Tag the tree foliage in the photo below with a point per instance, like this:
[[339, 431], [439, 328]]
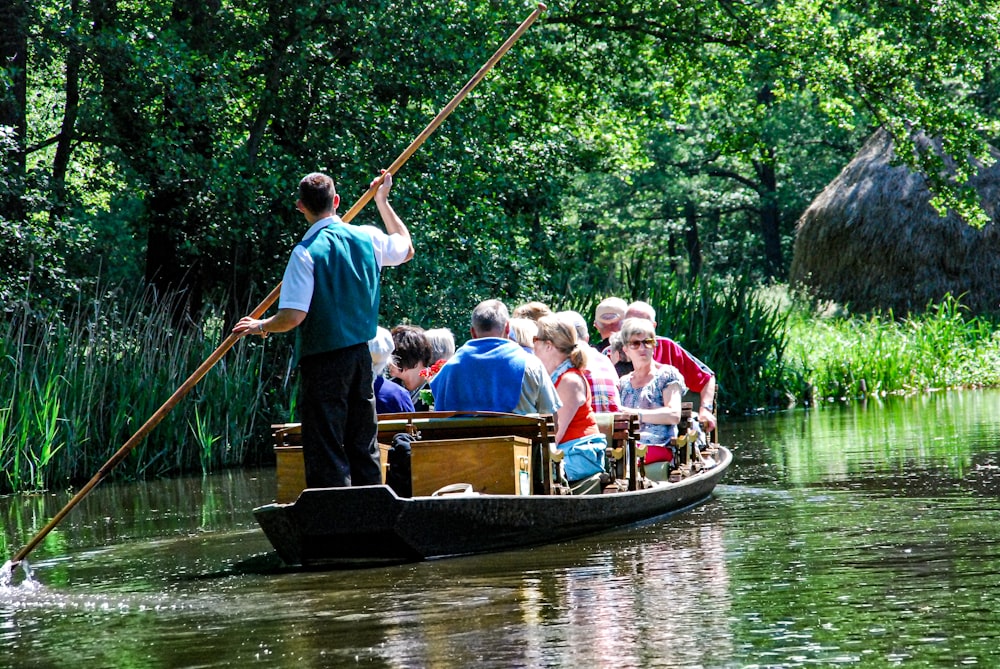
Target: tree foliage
[[161, 140]]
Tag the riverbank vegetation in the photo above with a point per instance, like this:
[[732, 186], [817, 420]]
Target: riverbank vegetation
[[76, 385], [647, 150], [875, 355], [74, 389]]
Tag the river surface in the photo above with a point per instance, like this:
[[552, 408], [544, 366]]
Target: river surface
[[860, 536]]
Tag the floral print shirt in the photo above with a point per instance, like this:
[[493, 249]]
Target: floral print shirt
[[650, 396]]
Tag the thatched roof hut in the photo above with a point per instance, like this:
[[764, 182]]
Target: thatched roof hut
[[871, 239]]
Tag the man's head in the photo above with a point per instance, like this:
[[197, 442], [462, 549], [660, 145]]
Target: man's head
[[608, 316], [641, 310], [489, 319], [317, 195], [578, 322]]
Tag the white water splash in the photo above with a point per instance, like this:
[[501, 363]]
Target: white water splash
[[7, 576]]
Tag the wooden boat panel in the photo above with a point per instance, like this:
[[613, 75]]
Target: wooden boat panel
[[372, 524], [618, 428], [491, 465]]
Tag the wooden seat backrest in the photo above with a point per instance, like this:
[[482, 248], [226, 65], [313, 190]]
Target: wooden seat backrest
[[442, 425]]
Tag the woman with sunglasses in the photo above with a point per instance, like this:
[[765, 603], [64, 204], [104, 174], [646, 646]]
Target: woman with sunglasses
[[652, 390]]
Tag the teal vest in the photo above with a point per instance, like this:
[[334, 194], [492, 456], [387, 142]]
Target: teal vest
[[344, 307]]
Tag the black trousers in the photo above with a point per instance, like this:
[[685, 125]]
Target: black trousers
[[339, 426]]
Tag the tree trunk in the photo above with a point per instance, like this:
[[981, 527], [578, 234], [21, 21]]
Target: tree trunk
[[67, 132], [176, 221], [770, 215], [691, 239], [770, 218]]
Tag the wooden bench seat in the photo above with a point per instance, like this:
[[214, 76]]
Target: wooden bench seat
[[484, 441]]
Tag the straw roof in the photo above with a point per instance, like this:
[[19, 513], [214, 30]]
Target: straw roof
[[872, 240]]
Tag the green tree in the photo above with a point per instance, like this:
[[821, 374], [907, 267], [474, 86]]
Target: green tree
[[735, 77]]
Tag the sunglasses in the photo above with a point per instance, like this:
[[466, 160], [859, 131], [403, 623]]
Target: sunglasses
[[648, 343]]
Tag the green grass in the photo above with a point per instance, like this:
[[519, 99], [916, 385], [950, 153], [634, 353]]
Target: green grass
[[853, 357]]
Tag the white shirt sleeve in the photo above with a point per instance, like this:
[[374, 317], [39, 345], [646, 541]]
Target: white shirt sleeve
[[297, 283], [390, 250]]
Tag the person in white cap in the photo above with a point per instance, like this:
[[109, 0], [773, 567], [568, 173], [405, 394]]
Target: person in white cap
[[608, 319]]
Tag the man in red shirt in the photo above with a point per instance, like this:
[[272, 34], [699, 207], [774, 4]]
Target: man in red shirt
[[697, 375]]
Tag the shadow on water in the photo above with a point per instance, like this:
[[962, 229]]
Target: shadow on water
[[861, 536]]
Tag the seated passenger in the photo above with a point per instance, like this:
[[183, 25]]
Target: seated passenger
[[389, 397], [577, 434], [488, 373], [616, 354], [599, 371], [491, 373], [652, 390], [523, 331], [442, 343], [412, 356], [697, 375]]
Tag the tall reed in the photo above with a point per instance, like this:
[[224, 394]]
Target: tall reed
[[853, 357], [732, 329], [75, 386]]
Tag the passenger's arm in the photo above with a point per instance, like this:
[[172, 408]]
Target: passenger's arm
[[706, 415], [669, 413]]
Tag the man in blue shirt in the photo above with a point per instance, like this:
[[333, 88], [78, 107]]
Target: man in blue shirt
[[492, 373], [330, 296]]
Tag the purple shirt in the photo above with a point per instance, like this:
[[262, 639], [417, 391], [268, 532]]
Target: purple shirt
[[391, 398]]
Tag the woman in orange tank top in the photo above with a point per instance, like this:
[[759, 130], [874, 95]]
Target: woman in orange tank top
[[577, 434]]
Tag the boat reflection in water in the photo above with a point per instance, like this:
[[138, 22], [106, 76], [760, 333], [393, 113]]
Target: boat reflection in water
[[654, 595]]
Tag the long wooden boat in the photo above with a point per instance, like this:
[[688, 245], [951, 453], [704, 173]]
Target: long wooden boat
[[496, 510]]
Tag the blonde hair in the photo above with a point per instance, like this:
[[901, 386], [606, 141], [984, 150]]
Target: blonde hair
[[532, 310], [523, 331], [562, 333]]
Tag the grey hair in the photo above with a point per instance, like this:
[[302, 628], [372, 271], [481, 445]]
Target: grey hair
[[442, 343], [489, 318], [641, 307], [616, 343], [636, 326]]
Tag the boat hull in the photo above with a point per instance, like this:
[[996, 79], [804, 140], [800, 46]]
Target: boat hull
[[370, 524]]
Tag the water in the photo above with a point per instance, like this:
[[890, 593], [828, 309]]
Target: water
[[863, 536]]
